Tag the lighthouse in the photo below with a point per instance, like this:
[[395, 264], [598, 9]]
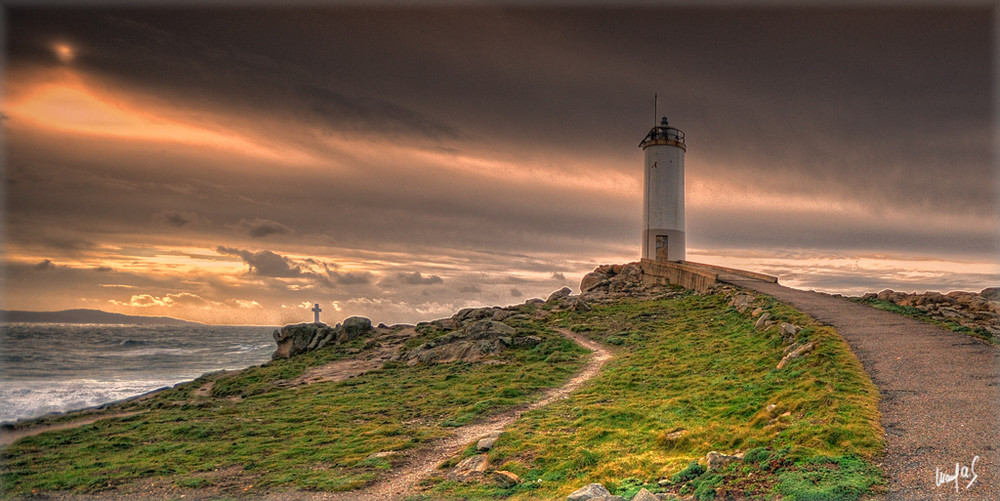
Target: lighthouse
[[663, 195]]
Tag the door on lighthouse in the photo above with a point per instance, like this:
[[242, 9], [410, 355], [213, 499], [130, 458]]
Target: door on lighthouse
[[661, 248]]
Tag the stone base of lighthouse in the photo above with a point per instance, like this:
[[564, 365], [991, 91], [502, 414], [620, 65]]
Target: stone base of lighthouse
[[664, 245]]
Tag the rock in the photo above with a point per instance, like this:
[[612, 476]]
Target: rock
[[577, 304], [756, 312], [645, 495], [718, 460], [296, 339], [354, 327], [788, 331], [535, 301], [588, 492], [501, 315], [559, 294], [527, 340], [591, 281], [466, 315], [471, 343], [741, 302], [469, 468], [505, 479], [795, 353], [990, 294], [486, 443], [762, 321]]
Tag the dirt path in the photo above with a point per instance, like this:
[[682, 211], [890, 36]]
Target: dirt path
[[940, 400], [425, 460]]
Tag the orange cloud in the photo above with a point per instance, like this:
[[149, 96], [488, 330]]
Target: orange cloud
[[64, 103]]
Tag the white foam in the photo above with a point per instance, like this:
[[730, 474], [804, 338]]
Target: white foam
[[28, 399]]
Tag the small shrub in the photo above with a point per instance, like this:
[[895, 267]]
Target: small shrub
[[691, 472]]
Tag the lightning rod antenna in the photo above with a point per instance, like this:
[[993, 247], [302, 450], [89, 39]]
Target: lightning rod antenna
[[654, 109]]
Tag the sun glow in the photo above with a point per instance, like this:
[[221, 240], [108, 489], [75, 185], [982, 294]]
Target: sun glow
[[72, 107], [64, 53]]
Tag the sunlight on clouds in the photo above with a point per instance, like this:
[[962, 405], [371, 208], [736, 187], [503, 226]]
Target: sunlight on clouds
[[856, 274], [563, 172], [70, 106]]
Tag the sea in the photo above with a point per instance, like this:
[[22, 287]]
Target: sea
[[48, 368]]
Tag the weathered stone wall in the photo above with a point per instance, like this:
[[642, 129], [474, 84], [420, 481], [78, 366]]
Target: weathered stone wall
[[690, 277]]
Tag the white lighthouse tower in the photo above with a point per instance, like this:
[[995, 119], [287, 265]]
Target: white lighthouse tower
[[663, 198]]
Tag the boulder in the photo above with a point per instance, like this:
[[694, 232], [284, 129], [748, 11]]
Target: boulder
[[353, 328], [990, 294], [592, 280], [741, 302], [559, 294], [466, 315], [486, 443], [796, 352], [718, 460], [645, 495], [788, 331], [505, 479], [501, 315], [469, 468], [468, 344], [484, 329], [588, 492], [296, 339], [576, 304], [762, 321]]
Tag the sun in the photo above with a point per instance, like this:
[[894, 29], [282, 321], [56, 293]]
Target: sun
[[63, 52]]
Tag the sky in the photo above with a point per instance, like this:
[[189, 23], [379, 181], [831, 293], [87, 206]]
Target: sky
[[235, 165]]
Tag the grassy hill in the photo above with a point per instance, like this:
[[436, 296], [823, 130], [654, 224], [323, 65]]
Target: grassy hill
[[690, 375]]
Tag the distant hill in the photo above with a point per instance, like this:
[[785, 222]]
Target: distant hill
[[86, 317]]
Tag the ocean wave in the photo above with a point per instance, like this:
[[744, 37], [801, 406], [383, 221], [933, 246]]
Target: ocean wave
[[158, 352], [29, 399], [244, 348]]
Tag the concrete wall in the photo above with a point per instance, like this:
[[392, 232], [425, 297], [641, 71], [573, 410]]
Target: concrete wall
[[690, 277]]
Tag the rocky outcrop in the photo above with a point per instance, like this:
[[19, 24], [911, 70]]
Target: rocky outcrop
[[470, 342], [977, 311], [469, 468], [506, 479], [717, 460], [589, 492], [297, 339], [615, 280]]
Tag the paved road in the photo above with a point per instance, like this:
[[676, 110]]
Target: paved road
[[940, 395]]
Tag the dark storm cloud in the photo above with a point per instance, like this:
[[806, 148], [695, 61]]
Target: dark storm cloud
[[45, 265], [259, 228], [883, 104], [883, 108], [351, 278], [264, 263], [417, 278], [178, 219]]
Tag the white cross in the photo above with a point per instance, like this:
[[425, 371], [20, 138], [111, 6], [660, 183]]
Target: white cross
[[316, 309]]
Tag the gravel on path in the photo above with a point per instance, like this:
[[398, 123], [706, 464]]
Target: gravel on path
[[940, 394], [425, 461]]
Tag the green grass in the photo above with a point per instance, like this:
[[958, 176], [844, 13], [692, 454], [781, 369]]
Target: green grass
[[315, 437], [918, 314], [694, 365], [690, 376]]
